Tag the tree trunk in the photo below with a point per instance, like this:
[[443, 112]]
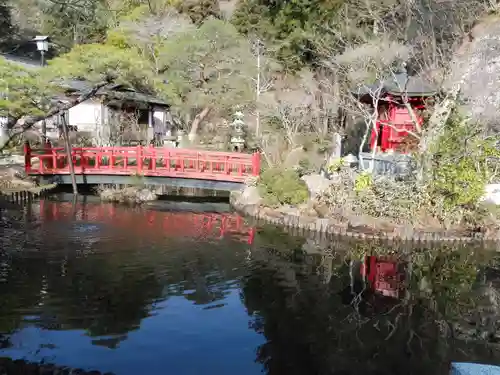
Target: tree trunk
[[197, 121], [435, 128], [69, 157], [337, 145]]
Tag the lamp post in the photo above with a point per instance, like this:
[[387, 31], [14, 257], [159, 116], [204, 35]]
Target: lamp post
[[42, 45]]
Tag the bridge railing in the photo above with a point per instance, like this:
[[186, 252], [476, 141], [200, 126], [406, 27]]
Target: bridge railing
[[144, 161]]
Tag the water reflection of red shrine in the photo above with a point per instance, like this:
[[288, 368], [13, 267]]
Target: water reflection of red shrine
[[385, 275]]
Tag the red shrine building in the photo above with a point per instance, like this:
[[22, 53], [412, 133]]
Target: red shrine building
[[394, 120]]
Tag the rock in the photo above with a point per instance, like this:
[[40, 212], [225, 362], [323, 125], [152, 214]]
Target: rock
[[307, 210], [8, 172], [316, 184], [12, 160], [251, 181], [289, 210], [321, 209], [477, 65], [145, 195], [15, 178], [312, 247], [404, 231], [18, 183], [132, 195], [250, 196]]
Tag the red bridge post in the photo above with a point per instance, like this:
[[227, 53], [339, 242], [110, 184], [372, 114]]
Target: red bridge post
[[138, 160], [27, 157], [256, 163]]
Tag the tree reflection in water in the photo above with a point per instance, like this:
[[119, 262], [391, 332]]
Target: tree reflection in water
[[47, 280], [411, 313]]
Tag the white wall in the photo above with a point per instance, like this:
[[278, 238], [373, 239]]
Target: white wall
[[86, 116], [4, 133]]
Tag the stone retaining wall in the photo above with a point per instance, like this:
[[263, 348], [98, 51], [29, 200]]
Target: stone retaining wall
[[305, 224], [20, 194], [21, 367]]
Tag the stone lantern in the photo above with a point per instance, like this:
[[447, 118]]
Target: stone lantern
[[351, 161], [237, 132]]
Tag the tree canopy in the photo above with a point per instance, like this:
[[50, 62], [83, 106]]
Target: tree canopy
[[209, 56]]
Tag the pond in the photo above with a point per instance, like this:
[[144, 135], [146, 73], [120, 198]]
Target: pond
[[192, 289]]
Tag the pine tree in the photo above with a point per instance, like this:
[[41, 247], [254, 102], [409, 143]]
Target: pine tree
[[6, 27]]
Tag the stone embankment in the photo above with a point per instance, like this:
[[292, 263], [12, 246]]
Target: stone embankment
[[21, 367], [305, 218], [14, 183]]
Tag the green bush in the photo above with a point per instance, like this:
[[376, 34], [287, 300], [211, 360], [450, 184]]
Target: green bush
[[336, 165], [363, 181], [305, 167], [278, 187], [385, 197], [463, 164]]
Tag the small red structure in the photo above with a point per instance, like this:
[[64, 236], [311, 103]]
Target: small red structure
[[143, 161], [384, 275], [394, 120]]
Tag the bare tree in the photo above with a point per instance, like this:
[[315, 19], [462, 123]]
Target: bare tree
[[148, 33], [124, 127], [263, 80]]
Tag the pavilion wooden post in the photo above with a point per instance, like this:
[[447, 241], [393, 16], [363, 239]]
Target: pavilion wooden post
[[67, 146]]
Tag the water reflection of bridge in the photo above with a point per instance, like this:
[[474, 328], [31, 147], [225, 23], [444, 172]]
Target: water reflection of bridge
[[150, 223]]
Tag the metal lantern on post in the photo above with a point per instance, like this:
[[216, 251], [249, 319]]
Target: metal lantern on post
[[42, 45], [238, 134]]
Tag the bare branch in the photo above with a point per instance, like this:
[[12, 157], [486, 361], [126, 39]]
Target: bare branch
[[31, 121]]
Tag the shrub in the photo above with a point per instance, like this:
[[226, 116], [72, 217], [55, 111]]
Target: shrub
[[386, 197], [462, 164], [336, 165], [305, 167], [381, 197], [278, 187], [363, 181]]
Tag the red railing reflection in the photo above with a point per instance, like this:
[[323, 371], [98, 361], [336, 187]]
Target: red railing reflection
[[153, 223]]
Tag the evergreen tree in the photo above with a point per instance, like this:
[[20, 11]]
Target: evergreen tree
[[6, 27]]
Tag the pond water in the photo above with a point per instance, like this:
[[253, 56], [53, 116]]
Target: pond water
[[182, 291]]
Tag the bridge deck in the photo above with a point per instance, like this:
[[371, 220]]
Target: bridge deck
[[107, 164]]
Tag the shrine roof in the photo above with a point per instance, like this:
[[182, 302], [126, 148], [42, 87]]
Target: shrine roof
[[399, 84]]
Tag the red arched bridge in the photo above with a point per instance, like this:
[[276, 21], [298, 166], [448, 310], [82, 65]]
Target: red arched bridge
[[157, 166], [193, 225]]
